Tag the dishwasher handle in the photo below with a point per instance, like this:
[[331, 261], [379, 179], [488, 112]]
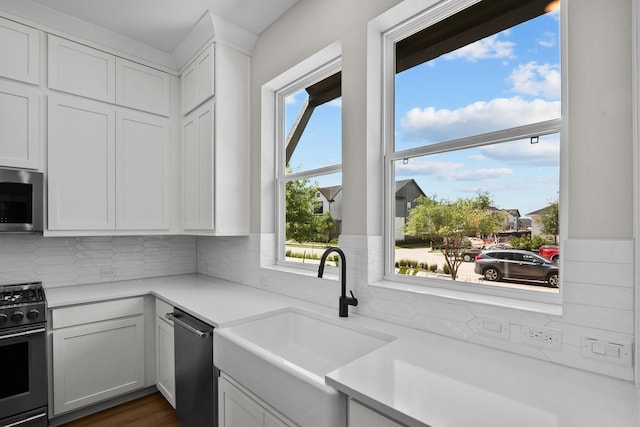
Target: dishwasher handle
[[176, 319]]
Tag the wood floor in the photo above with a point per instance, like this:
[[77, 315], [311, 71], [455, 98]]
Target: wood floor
[[148, 411]]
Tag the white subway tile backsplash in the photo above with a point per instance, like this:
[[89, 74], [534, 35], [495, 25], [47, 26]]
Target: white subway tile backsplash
[[599, 273], [598, 285], [598, 295], [60, 261], [609, 319]]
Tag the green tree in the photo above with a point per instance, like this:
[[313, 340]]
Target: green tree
[[550, 222], [453, 222], [302, 225]]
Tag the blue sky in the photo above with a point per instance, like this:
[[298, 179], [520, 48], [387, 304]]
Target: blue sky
[[508, 79]]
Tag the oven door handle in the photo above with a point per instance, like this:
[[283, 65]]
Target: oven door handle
[[27, 420], [22, 334]]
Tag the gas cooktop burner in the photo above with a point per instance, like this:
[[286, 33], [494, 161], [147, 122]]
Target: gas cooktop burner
[[22, 304], [28, 293]]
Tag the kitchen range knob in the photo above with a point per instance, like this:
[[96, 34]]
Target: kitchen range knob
[[17, 316], [3, 318], [33, 314]]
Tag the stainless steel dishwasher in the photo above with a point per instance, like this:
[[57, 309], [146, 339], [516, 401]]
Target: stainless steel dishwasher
[[196, 377]]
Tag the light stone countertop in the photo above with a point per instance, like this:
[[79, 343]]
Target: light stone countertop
[[420, 379]]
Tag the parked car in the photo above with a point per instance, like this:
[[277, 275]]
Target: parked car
[[498, 264], [469, 255], [550, 252]]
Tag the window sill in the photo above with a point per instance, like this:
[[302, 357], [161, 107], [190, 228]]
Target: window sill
[[311, 271], [544, 307]]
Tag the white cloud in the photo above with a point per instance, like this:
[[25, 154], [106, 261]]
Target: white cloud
[[291, 99], [537, 80], [432, 125], [544, 153], [335, 103], [449, 171], [488, 48], [548, 40]]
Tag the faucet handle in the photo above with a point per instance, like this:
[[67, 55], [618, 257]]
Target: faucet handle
[[353, 300]]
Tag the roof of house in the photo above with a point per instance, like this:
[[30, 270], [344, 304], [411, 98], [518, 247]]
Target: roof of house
[[404, 182], [330, 193], [539, 211]]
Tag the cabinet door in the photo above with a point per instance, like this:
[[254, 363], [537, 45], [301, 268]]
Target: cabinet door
[[271, 421], [198, 167], [19, 126], [81, 70], [236, 409], [361, 416], [142, 171], [165, 364], [81, 161], [142, 87], [20, 52], [198, 80], [97, 361]]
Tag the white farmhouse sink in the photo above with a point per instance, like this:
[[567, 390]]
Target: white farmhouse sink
[[284, 355]]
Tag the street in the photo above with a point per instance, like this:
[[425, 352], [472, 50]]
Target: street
[[425, 255]]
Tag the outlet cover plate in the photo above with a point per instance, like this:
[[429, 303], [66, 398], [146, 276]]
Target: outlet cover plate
[[607, 350], [540, 336], [498, 328]]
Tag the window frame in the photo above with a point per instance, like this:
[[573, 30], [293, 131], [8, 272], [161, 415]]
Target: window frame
[[427, 17], [281, 177]]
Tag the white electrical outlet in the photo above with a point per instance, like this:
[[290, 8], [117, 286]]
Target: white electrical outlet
[[107, 272], [498, 328], [607, 350], [542, 337]]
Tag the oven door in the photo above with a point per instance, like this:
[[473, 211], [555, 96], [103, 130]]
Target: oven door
[[24, 376]]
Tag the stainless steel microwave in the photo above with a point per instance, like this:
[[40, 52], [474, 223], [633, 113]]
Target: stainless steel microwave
[[21, 200]]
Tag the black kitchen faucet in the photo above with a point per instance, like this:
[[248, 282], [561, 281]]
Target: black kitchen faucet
[[344, 301]]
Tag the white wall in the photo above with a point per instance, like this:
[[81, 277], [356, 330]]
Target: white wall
[[596, 198]]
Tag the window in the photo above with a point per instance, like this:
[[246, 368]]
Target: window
[[309, 175], [473, 146]]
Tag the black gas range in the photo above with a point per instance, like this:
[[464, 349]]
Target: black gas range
[[22, 304], [23, 388]]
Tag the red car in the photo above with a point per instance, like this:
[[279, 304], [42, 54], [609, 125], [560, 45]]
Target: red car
[[551, 253]]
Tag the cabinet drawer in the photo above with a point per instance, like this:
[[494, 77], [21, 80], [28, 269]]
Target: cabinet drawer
[[163, 308], [97, 312]]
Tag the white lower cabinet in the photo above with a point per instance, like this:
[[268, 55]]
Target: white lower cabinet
[[237, 407], [361, 416], [165, 360], [98, 352]]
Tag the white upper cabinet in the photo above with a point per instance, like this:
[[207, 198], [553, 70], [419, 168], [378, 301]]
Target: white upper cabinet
[[142, 171], [81, 70], [198, 80], [198, 168], [19, 125], [216, 150], [81, 157], [108, 167], [141, 87], [20, 52]]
